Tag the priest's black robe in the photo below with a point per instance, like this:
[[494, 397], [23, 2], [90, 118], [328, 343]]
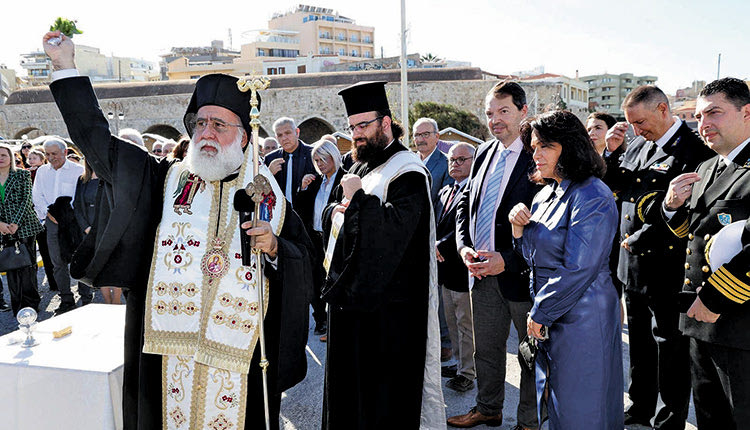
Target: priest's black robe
[[377, 291], [121, 256]]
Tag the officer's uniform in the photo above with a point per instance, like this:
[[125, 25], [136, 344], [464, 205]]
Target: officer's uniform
[[720, 352], [652, 273]]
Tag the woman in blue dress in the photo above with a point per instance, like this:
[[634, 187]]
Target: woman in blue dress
[[565, 238]]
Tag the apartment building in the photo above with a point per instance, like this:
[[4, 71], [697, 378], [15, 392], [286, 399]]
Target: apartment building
[[607, 91]]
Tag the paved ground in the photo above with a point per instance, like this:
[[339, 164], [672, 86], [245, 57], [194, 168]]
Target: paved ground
[[301, 405]]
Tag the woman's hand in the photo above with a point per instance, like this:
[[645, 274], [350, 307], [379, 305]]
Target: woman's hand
[[5, 228], [519, 216], [533, 329]]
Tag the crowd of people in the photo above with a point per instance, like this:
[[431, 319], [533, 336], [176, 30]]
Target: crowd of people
[[426, 258]]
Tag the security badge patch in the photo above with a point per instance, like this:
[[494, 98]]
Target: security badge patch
[[725, 219]]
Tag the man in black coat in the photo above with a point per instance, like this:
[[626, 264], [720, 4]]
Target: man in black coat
[[135, 182], [696, 207], [651, 259], [292, 148], [380, 287], [452, 273], [499, 281]]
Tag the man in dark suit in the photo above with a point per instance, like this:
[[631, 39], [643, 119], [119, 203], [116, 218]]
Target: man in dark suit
[[292, 148], [499, 281], [697, 206], [651, 258], [452, 273], [426, 137]]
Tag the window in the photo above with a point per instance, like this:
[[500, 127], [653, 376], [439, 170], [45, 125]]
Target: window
[[272, 70], [282, 70], [342, 51]]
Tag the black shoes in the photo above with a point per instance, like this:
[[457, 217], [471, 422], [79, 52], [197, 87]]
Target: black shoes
[[460, 383], [448, 371]]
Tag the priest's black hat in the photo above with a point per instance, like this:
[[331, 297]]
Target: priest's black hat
[[365, 97], [220, 90]]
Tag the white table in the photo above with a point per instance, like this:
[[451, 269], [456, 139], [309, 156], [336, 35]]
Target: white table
[[74, 382]]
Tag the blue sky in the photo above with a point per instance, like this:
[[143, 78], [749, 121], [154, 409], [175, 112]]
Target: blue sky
[[676, 41]]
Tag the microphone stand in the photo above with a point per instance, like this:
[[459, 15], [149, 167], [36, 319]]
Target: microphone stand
[[253, 190]]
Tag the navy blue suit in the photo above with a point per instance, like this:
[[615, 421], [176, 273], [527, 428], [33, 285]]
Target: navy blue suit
[[438, 167]]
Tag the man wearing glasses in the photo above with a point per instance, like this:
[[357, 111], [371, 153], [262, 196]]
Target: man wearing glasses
[[382, 368], [171, 238], [452, 273], [426, 137]]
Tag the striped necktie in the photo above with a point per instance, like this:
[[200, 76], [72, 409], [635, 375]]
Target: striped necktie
[[486, 215]]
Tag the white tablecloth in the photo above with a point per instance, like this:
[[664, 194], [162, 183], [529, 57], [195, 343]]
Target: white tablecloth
[[74, 382]]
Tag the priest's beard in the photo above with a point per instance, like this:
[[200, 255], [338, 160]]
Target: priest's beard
[[217, 166], [373, 145]]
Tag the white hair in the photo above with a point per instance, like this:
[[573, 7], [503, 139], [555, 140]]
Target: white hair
[[131, 135], [430, 121], [55, 141], [218, 166], [324, 149]]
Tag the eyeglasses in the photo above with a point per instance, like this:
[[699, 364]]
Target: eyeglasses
[[157, 151], [361, 125], [458, 160], [424, 135], [198, 125], [26, 147]]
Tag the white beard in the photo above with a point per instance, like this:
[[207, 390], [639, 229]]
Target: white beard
[[214, 167]]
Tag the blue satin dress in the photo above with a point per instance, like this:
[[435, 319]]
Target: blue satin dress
[[567, 245]]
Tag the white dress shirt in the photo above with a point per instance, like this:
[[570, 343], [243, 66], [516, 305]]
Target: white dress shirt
[[321, 200], [515, 149], [50, 184]]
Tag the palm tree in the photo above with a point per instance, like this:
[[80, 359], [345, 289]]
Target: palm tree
[[430, 58]]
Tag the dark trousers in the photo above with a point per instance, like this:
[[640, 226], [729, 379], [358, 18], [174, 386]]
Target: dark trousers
[[41, 240], [22, 283], [319, 277], [60, 267], [721, 386], [492, 316], [659, 363]]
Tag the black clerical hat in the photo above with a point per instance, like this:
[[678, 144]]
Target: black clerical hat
[[365, 97], [220, 90]]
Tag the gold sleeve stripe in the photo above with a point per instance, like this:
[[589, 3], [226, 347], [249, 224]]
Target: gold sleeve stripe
[[642, 202], [725, 292], [727, 283], [680, 231], [731, 278]]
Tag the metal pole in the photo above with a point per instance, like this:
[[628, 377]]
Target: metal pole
[[404, 91], [254, 86], [718, 67]]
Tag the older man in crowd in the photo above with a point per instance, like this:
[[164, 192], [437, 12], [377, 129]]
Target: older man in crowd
[[56, 179], [452, 273], [269, 145]]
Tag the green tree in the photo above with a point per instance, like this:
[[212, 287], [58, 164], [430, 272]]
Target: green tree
[[449, 116], [430, 58]]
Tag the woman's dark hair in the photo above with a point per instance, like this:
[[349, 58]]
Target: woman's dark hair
[[578, 159], [603, 116]]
